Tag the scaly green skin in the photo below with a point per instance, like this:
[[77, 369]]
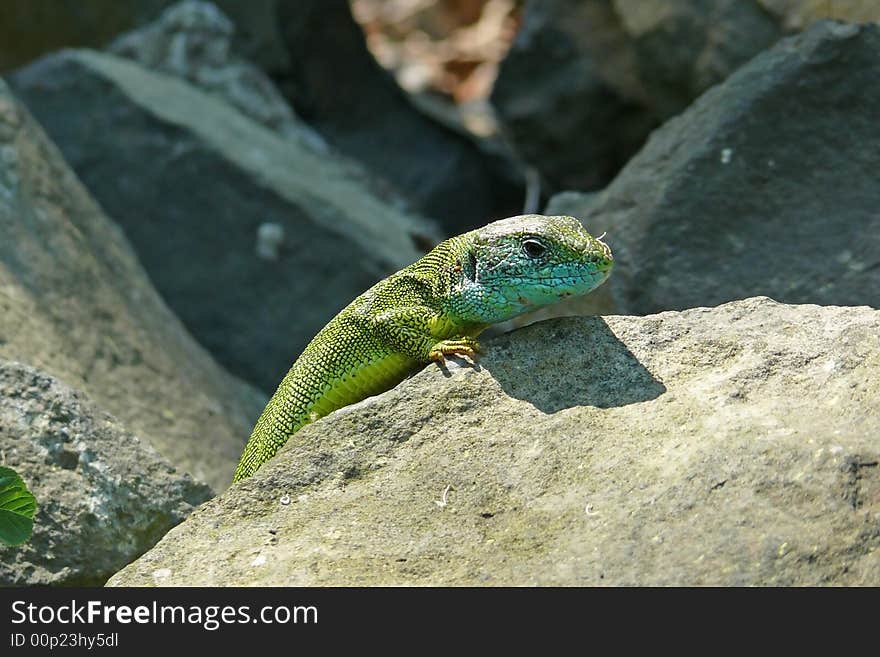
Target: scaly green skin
[[431, 309]]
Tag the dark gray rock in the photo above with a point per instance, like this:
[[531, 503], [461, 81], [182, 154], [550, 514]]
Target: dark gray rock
[[736, 445], [683, 47], [103, 495], [585, 82], [568, 97], [75, 302], [767, 185], [194, 184], [335, 84]]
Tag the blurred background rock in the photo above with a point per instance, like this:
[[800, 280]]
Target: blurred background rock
[[433, 116], [575, 85], [444, 115]]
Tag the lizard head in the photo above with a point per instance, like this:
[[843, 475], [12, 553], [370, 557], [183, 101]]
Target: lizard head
[[519, 264]]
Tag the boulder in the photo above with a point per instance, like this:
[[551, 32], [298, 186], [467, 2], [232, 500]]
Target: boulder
[[199, 188], [75, 302], [104, 496], [757, 189], [735, 445]]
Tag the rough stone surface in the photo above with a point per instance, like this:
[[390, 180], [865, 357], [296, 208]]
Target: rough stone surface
[[103, 495], [193, 40], [756, 189], [191, 181], [335, 84], [736, 445], [75, 302], [568, 94]]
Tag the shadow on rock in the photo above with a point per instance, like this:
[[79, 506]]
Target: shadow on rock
[[588, 366]]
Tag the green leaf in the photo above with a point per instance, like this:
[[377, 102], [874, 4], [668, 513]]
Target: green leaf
[[17, 508]]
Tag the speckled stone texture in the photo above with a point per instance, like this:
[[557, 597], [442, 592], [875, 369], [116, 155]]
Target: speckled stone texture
[[736, 445]]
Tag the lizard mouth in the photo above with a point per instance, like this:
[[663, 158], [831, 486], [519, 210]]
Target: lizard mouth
[[598, 266], [599, 275]]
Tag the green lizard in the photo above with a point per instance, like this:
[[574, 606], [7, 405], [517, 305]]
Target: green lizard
[[434, 308]]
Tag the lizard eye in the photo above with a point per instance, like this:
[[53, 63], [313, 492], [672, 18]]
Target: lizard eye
[[533, 248]]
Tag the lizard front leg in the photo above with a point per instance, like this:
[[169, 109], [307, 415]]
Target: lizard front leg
[[463, 346], [413, 331]]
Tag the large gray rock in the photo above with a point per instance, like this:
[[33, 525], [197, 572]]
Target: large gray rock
[[103, 495], [728, 446], [767, 185], [75, 302], [335, 84], [255, 241]]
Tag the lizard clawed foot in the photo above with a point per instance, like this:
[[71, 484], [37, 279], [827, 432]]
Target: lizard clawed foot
[[459, 347]]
